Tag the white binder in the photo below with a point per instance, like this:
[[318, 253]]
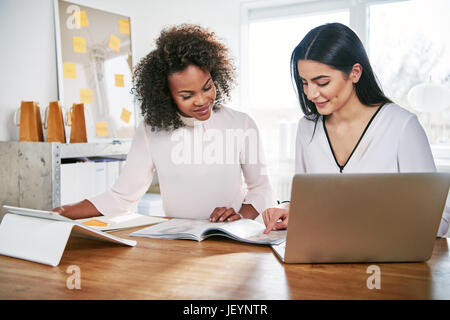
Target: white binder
[[41, 236]]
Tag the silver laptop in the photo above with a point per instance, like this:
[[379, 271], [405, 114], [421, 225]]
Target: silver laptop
[[343, 218]]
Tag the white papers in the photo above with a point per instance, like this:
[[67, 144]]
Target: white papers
[[151, 204], [130, 220], [78, 181], [112, 172], [82, 180]]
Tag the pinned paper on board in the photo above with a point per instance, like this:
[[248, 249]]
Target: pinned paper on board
[[81, 18], [124, 26], [86, 95], [79, 44], [125, 115], [114, 43], [101, 128], [70, 70], [119, 80]]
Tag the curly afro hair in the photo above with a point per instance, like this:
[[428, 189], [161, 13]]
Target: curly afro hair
[[177, 48]]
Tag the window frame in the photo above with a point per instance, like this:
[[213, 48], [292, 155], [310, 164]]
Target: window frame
[[252, 10]]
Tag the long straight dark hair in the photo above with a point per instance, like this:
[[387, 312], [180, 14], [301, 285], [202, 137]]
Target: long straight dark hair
[[337, 46]]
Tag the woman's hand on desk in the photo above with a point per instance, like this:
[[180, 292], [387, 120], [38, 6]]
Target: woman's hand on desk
[[275, 219], [80, 210]]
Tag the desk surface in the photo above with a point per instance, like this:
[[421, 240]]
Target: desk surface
[[216, 268]]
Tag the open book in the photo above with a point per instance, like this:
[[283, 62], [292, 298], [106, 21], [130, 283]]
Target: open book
[[244, 230]]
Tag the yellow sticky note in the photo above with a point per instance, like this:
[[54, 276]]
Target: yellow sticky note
[[101, 128], [81, 18], [114, 43], [125, 116], [96, 223], [124, 26], [119, 80], [70, 70], [85, 95], [79, 44]]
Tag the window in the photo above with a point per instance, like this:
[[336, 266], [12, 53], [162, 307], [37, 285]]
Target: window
[[406, 43], [272, 99], [409, 47]]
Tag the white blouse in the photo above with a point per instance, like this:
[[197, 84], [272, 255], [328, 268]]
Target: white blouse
[[200, 167], [394, 141]]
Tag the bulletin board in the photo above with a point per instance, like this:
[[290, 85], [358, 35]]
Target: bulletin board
[[95, 68]]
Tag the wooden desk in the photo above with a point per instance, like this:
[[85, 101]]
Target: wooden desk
[[214, 269]]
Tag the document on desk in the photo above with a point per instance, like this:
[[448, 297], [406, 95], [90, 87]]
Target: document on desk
[[244, 230], [125, 221]]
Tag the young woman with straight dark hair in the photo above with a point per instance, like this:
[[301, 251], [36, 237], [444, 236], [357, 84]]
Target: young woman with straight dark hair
[[339, 47], [349, 126]]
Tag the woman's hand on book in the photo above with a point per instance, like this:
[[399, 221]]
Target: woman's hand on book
[[275, 219], [223, 214]]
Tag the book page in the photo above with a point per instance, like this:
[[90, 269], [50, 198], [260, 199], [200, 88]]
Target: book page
[[248, 230], [273, 237], [175, 229]]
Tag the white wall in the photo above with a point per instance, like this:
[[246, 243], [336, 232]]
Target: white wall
[[28, 56]]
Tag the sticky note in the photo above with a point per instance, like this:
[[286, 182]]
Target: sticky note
[[119, 80], [114, 43], [96, 223], [81, 18], [125, 115], [101, 128], [70, 70], [85, 95], [79, 44], [124, 26], [69, 118]]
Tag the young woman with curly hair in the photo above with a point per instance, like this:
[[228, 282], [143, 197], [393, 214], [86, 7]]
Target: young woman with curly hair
[[200, 148]]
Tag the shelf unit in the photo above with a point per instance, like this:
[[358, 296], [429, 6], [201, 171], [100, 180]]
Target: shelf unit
[[30, 172]]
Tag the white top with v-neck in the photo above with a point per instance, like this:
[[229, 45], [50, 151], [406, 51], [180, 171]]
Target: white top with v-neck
[[200, 166], [393, 141]]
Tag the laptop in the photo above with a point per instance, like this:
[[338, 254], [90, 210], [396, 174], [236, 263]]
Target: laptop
[[361, 218]]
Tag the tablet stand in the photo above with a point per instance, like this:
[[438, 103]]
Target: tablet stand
[[43, 240]]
